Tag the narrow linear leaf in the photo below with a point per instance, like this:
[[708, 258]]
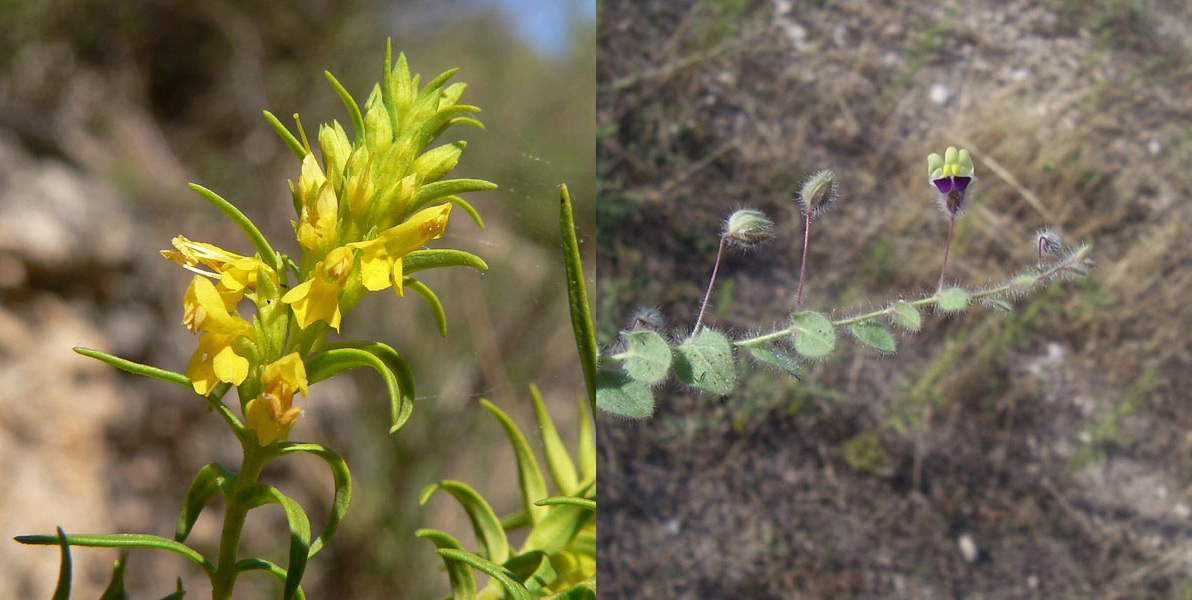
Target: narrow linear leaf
[[577, 299], [343, 488], [814, 335], [436, 307], [773, 357], [463, 583], [647, 357], [560, 527], [209, 480], [906, 315], [260, 564], [874, 335], [347, 355], [115, 589], [587, 440], [583, 503], [350, 104], [622, 395], [515, 590], [516, 520], [484, 520], [244, 223], [953, 299], [122, 540], [135, 367], [288, 138], [705, 361], [259, 494], [62, 589], [558, 461], [179, 592], [468, 208], [584, 590], [434, 191], [421, 260], [529, 474]]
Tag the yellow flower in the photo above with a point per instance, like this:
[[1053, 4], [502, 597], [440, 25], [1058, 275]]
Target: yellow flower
[[214, 360], [319, 214], [317, 298], [273, 414], [380, 258], [235, 273]]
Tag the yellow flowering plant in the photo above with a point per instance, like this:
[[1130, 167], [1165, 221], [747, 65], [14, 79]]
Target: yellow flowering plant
[[364, 213]]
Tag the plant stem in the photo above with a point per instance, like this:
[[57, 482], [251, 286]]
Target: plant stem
[[708, 294], [1064, 265], [947, 249], [229, 540], [803, 267]]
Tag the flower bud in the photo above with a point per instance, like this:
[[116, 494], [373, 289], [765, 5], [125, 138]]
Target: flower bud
[[748, 227], [647, 317], [818, 193], [1048, 242]]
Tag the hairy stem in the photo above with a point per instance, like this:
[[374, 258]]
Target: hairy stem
[[947, 249], [708, 294], [803, 267]]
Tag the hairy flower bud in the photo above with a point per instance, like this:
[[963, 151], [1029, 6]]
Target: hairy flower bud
[[748, 227], [1048, 242], [647, 317], [818, 193]]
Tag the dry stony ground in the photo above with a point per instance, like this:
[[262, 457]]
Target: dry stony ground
[[1038, 454]]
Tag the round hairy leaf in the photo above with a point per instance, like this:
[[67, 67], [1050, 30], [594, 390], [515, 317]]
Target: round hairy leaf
[[647, 357], [814, 335], [953, 300], [705, 361], [906, 315], [623, 395], [875, 336], [778, 359]]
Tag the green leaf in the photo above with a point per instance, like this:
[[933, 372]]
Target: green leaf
[[291, 142], [484, 520], [179, 592], [999, 304], [583, 590], [587, 441], [259, 494], [350, 104], [346, 355], [558, 529], [568, 500], [516, 520], [468, 208], [953, 299], [209, 480], [773, 357], [647, 357], [122, 540], [906, 315], [516, 591], [814, 335], [533, 570], [529, 474], [62, 589], [577, 299], [343, 487], [874, 335], [705, 361], [624, 396], [558, 461], [136, 368], [436, 307], [246, 225], [431, 192], [260, 564], [115, 589], [463, 583], [421, 260]]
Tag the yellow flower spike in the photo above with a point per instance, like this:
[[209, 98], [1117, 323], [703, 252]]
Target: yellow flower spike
[[317, 298], [360, 189], [273, 414], [380, 258], [310, 179], [318, 220]]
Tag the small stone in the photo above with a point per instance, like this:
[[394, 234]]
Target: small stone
[[671, 526], [939, 93], [1182, 510], [968, 548], [1154, 147]]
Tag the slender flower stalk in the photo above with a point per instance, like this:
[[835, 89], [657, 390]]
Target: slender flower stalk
[[951, 174], [817, 195], [803, 265], [745, 228], [947, 250], [703, 306]]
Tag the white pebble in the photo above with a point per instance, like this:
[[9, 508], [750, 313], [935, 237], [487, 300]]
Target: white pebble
[[939, 93]]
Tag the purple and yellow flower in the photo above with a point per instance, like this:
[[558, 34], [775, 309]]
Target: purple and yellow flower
[[951, 175]]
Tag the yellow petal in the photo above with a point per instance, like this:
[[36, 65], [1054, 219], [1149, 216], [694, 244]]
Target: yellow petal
[[229, 366]]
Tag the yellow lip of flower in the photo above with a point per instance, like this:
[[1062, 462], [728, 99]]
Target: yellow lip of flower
[[207, 307], [272, 414], [234, 272], [317, 298], [380, 258], [214, 361]]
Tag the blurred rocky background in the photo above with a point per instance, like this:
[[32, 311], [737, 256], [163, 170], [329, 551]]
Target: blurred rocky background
[[1038, 454], [106, 111]]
